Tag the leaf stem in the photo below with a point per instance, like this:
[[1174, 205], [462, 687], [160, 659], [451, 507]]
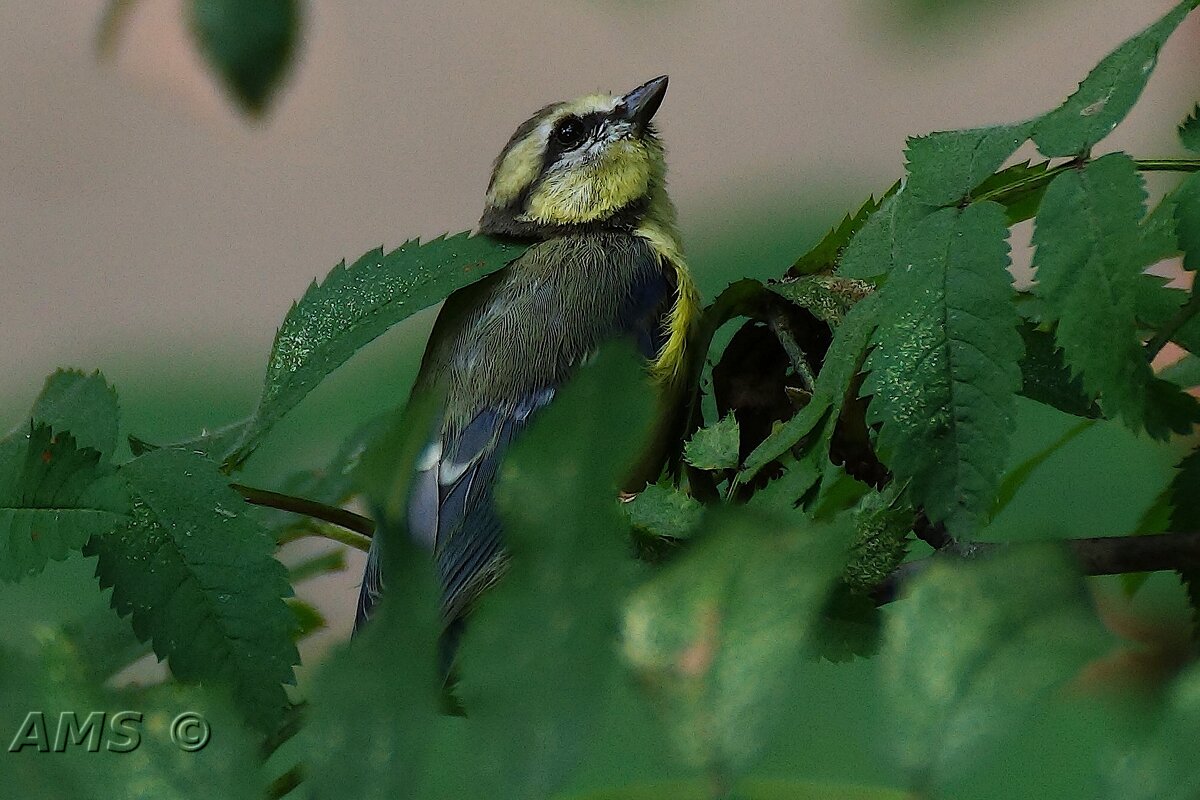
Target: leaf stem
[[309, 508], [1034, 181], [313, 528], [1189, 309]]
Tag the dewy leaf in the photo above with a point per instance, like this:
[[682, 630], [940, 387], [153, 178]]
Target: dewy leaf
[[829, 298], [975, 646], [53, 497], [824, 257], [1187, 220], [1185, 494], [1107, 93], [249, 43], [944, 374], [945, 166], [871, 254], [1189, 130], [357, 304], [719, 635], [1088, 271], [842, 361], [664, 512], [714, 447], [199, 578], [84, 405]]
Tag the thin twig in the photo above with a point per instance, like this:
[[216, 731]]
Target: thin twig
[[309, 508], [285, 783], [315, 529], [1101, 555]]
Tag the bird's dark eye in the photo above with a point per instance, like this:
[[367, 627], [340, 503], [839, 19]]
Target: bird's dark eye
[[569, 132]]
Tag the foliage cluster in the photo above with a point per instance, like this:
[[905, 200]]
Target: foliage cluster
[[865, 402]]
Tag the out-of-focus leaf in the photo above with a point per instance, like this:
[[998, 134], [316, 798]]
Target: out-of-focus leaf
[[1185, 372], [1163, 765], [945, 166], [355, 305], [1087, 240], [1185, 494], [84, 406], [664, 512], [1017, 476], [54, 496], [539, 666], [1046, 378], [1157, 304], [943, 374], [249, 43], [750, 789], [717, 637], [714, 447], [200, 580], [975, 646], [1107, 93]]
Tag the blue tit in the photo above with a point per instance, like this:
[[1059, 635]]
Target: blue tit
[[583, 182]]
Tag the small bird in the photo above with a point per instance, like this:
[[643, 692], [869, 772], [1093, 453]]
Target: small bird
[[584, 183]]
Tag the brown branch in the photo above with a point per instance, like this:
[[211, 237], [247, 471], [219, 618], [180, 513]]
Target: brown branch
[[309, 508], [1101, 555]]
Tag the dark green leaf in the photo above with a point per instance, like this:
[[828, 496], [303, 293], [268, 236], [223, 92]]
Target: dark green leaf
[[944, 373], [1185, 494], [1087, 241], [782, 495], [1187, 220], [1163, 766], [249, 43], [83, 405], [1189, 130], [53, 497], [664, 512], [829, 298], [871, 254], [1018, 188], [1159, 240], [200, 580], [718, 636], [945, 166], [882, 531], [1046, 378], [1157, 305], [355, 305], [824, 257], [975, 646], [1107, 93], [714, 447]]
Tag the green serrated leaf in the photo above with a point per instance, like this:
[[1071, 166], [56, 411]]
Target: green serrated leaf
[[882, 530], [664, 512], [1107, 93], [1185, 494], [355, 305], [782, 495], [718, 636], [944, 374], [1046, 378], [975, 647], [84, 405], [1187, 220], [249, 43], [829, 298], [1189, 130], [945, 166], [841, 364], [1018, 188], [715, 447], [824, 257], [1157, 305], [53, 497], [871, 254], [1087, 241], [199, 578]]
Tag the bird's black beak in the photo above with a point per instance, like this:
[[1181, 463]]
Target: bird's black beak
[[639, 105]]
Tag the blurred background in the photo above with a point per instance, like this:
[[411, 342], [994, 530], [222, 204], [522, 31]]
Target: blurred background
[[151, 229]]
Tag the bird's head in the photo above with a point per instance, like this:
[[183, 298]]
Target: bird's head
[[591, 162]]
